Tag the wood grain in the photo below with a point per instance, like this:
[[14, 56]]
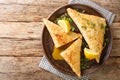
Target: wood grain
[[24, 68], [109, 71], [25, 30], [116, 30], [35, 10], [116, 48], [33, 2], [28, 12], [28, 30], [21, 47], [24, 48], [20, 40], [111, 5], [24, 12], [24, 39]]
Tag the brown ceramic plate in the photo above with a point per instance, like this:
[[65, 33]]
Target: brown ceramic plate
[[48, 42]]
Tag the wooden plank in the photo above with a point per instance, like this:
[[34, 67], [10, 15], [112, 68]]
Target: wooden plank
[[22, 12], [24, 39], [112, 5], [108, 71], [116, 30], [18, 12], [21, 47], [34, 30], [116, 48], [32, 2], [35, 10], [21, 30], [24, 68], [20, 39], [25, 12]]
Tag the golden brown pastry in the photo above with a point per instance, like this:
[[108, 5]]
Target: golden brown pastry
[[92, 28], [72, 56], [59, 36]]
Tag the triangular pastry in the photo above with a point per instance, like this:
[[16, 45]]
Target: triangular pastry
[[92, 28], [59, 36], [72, 56]]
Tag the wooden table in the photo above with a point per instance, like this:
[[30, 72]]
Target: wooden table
[[20, 40]]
